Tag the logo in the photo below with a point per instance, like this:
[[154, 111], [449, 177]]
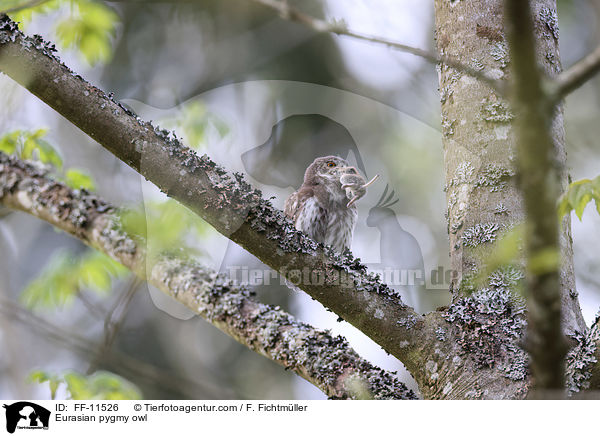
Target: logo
[[26, 415]]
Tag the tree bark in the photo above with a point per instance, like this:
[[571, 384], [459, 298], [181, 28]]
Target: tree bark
[[480, 153]]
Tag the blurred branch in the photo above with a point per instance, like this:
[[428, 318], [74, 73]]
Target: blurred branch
[[539, 183], [327, 362], [113, 323], [123, 364], [575, 76], [290, 13], [94, 308], [25, 5], [224, 200]]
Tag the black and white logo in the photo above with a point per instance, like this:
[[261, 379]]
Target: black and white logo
[[26, 415]]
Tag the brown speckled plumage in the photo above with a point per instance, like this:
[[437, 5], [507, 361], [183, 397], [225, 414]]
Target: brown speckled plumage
[[320, 208]]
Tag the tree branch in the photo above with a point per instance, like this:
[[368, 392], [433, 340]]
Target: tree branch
[[290, 13], [228, 203], [574, 77], [327, 362], [539, 183]]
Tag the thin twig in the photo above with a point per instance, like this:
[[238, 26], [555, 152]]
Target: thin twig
[[577, 75], [290, 13], [113, 323], [95, 309], [124, 364]]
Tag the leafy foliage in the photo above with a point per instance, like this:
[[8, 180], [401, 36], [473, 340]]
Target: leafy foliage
[[66, 275], [89, 29], [24, 10], [102, 385], [86, 25], [31, 145], [166, 227], [579, 194], [193, 122]]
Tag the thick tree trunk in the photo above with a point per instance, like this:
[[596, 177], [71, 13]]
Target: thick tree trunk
[[483, 200]]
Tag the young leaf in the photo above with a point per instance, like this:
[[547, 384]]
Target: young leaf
[[40, 377], [79, 179], [166, 227], [578, 195], [89, 29], [66, 275], [101, 385]]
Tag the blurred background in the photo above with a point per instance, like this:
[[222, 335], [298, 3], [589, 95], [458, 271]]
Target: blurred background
[[259, 95]]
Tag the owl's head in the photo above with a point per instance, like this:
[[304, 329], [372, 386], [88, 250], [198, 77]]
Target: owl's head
[[328, 169]]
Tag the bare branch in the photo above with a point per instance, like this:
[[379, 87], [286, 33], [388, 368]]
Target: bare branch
[[327, 362], [226, 201], [290, 13], [539, 183], [576, 76], [113, 323], [118, 362]]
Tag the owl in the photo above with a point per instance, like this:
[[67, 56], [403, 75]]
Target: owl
[[320, 207]]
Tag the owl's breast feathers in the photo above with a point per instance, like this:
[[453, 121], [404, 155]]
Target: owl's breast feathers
[[322, 216]]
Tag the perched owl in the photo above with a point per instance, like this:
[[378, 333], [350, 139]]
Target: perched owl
[[320, 208]]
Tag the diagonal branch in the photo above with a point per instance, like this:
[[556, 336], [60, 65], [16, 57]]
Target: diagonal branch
[[327, 362], [224, 200], [576, 76], [290, 13]]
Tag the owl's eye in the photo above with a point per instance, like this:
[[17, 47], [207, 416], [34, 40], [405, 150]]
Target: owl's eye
[[330, 164]]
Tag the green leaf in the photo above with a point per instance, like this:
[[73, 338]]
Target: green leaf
[[165, 227], [101, 385], [577, 197], [88, 28], [192, 122], [25, 15], [31, 145], [79, 179], [42, 377], [66, 275]]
